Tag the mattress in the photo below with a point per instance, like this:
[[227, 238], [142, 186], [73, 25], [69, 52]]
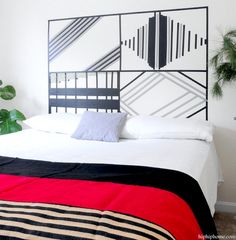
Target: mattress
[[196, 158]]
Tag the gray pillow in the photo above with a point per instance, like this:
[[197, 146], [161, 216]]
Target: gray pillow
[[100, 126]]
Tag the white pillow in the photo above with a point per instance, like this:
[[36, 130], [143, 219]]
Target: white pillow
[[149, 127], [56, 122], [100, 126]]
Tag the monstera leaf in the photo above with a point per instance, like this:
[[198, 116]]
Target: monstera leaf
[[8, 119], [8, 92]]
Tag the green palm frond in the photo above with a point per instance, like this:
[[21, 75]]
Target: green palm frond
[[224, 63], [229, 49], [231, 33], [217, 90], [216, 59], [225, 72]]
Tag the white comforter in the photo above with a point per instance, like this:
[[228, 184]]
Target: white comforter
[[194, 157]]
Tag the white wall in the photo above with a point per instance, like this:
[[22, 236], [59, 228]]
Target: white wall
[[23, 59]]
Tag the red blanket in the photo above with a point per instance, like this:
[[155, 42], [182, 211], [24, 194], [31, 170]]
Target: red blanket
[[45, 200]]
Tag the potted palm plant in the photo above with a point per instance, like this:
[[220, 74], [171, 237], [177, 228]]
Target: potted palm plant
[[224, 63], [8, 119]]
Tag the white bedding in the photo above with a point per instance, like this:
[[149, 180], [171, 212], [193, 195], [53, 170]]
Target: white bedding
[[194, 157]]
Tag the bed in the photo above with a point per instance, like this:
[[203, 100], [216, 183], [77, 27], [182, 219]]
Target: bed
[[159, 181], [136, 188]]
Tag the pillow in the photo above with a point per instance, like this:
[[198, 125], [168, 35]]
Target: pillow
[[65, 123], [100, 126], [149, 127]]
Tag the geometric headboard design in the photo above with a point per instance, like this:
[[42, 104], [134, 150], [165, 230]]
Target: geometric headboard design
[[152, 62]]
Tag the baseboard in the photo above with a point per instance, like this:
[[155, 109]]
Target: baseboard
[[228, 207]]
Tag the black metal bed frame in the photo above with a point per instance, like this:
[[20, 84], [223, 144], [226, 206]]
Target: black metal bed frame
[[107, 98]]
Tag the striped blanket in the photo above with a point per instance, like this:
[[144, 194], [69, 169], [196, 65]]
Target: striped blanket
[[46, 200]]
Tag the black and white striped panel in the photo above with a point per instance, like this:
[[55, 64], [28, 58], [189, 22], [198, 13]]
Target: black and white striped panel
[[162, 40], [42, 221], [185, 94], [76, 91], [69, 35], [107, 60]]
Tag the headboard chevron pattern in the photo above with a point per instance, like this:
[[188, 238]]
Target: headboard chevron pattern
[[152, 62]]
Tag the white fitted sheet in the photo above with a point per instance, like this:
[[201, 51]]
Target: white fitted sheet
[[193, 157]]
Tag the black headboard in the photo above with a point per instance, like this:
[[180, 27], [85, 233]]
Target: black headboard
[[152, 62], [83, 90]]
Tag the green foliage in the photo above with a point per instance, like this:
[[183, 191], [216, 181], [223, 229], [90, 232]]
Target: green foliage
[[217, 90], [224, 63], [8, 92], [8, 119]]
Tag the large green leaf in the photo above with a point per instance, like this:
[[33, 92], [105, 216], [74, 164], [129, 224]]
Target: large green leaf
[[4, 127], [4, 115], [9, 127], [16, 115], [8, 121], [8, 92], [15, 127]]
